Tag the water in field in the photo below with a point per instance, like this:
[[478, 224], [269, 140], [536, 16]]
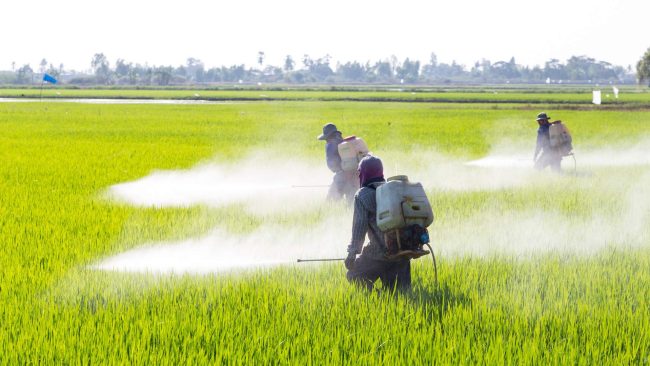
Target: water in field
[[115, 101]]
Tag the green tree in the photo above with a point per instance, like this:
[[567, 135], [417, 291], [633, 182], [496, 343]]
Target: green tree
[[289, 63], [25, 74], [383, 70], [429, 70], [643, 67], [260, 58], [195, 69], [351, 71], [163, 75], [409, 71], [43, 65], [52, 70], [307, 61], [101, 68], [555, 70], [122, 68]]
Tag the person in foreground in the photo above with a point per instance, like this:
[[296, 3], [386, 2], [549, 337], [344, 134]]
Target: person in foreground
[[372, 263]]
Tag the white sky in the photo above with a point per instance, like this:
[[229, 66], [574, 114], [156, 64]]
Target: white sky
[[167, 32]]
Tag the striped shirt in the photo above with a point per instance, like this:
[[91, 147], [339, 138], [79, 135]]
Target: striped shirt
[[365, 222]]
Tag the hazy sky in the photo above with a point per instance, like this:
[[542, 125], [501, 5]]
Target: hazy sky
[[167, 32]]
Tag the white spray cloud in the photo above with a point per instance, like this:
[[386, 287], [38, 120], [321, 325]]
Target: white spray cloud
[[220, 251], [267, 184], [264, 184], [442, 173], [523, 233], [631, 155]]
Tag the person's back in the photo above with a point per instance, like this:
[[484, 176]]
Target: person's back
[[364, 222], [372, 263]]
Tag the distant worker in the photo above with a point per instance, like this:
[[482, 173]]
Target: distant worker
[[372, 264], [345, 181], [553, 141]]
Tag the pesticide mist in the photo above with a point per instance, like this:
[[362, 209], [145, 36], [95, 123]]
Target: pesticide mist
[[301, 187]]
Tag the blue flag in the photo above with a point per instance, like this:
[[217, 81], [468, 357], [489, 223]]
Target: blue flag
[[49, 78]]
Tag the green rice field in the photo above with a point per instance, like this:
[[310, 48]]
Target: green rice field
[[534, 267], [569, 95]]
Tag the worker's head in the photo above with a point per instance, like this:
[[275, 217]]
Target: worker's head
[[329, 131], [370, 170], [542, 118]]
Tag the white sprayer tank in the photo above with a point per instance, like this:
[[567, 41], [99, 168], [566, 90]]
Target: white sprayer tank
[[401, 203], [352, 150]]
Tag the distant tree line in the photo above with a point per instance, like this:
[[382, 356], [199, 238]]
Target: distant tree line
[[643, 67], [577, 69]]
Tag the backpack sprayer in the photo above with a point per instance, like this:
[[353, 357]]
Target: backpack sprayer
[[351, 150], [403, 215], [562, 142]]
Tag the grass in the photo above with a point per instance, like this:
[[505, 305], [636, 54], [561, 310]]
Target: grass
[[569, 95], [55, 158]]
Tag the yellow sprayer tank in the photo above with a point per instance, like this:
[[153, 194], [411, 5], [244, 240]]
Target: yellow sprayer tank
[[352, 150], [560, 138], [401, 203]]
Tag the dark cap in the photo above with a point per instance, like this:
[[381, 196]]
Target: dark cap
[[542, 116], [328, 130]]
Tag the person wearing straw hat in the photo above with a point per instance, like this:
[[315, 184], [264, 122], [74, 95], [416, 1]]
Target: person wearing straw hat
[[549, 156], [344, 184]]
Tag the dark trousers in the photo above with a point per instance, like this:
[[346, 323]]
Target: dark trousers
[[549, 158], [344, 185], [393, 275]]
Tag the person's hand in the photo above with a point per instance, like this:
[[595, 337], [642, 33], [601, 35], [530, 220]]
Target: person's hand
[[349, 261]]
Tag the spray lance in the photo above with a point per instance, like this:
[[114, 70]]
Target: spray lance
[[404, 254], [321, 260]]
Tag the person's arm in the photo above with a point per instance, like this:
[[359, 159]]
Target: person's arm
[[332, 156], [538, 146], [359, 227]]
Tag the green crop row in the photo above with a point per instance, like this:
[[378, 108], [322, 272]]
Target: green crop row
[[56, 159], [488, 95]]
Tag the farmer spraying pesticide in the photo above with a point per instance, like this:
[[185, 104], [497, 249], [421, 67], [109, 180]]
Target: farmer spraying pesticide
[[394, 215], [342, 156], [553, 141]]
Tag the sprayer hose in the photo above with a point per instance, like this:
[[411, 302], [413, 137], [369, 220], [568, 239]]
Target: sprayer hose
[[435, 267]]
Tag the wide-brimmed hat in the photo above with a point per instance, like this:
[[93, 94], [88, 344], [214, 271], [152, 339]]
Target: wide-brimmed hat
[[542, 116], [328, 130]]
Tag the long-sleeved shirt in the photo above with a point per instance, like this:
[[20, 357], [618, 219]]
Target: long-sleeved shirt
[[332, 153], [543, 138], [365, 222]]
